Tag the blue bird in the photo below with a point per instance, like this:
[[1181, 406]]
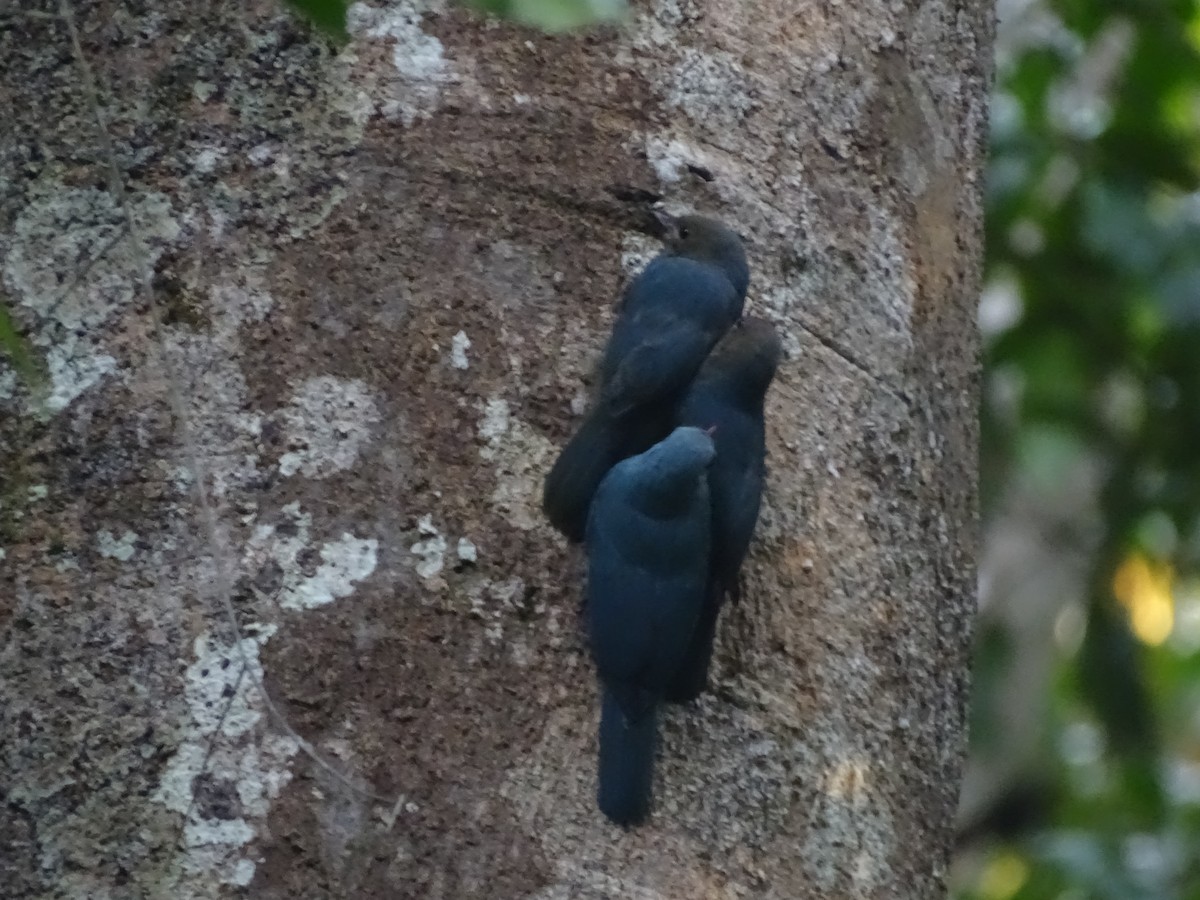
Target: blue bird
[[670, 317], [648, 544], [728, 396]]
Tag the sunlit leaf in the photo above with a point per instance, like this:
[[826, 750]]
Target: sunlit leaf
[[1144, 588]]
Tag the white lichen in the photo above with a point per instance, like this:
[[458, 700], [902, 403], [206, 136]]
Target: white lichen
[[710, 87], [238, 299], [580, 401], [116, 548], [637, 249], [658, 25], [670, 158], [466, 550], [459, 346], [207, 160], [72, 262], [494, 424], [344, 561], [243, 873], [261, 154], [326, 425], [520, 456], [430, 550], [72, 372], [493, 601], [223, 744], [421, 69], [227, 751]]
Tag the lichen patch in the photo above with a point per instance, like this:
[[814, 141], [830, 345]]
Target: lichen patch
[[459, 346], [119, 548], [430, 550], [421, 69], [711, 88], [327, 423], [306, 584], [636, 250], [521, 457], [225, 774], [670, 158], [82, 232]]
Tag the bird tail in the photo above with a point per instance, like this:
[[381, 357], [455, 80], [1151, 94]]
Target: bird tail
[[578, 471], [626, 762], [692, 676]]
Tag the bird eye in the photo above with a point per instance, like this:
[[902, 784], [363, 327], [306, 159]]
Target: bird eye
[[684, 233]]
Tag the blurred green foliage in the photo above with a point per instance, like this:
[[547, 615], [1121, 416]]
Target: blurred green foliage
[[553, 15], [327, 15], [1092, 333], [548, 15], [16, 347]]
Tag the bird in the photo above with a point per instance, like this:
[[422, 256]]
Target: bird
[[670, 317], [648, 536], [728, 396]]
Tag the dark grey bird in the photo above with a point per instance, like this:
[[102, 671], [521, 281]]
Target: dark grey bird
[[648, 564], [671, 316], [728, 396]]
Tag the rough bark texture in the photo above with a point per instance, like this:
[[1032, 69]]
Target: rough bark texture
[[355, 296]]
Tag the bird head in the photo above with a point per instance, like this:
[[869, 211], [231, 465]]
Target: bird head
[[687, 448], [750, 353], [707, 240]]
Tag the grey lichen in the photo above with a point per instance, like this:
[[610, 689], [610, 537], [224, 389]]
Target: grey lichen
[[71, 262], [223, 742], [326, 423]]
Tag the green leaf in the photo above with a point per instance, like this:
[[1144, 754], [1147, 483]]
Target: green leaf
[[1112, 681], [554, 15], [14, 345], [327, 15]]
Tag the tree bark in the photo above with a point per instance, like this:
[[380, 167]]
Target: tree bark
[[281, 617]]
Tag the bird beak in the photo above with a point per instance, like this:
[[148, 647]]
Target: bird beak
[[666, 226], [711, 430]]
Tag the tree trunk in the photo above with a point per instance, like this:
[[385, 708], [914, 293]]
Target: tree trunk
[[315, 325]]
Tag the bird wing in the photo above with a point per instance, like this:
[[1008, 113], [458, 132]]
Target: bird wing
[[673, 314], [738, 500], [645, 588], [645, 627], [659, 366]]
